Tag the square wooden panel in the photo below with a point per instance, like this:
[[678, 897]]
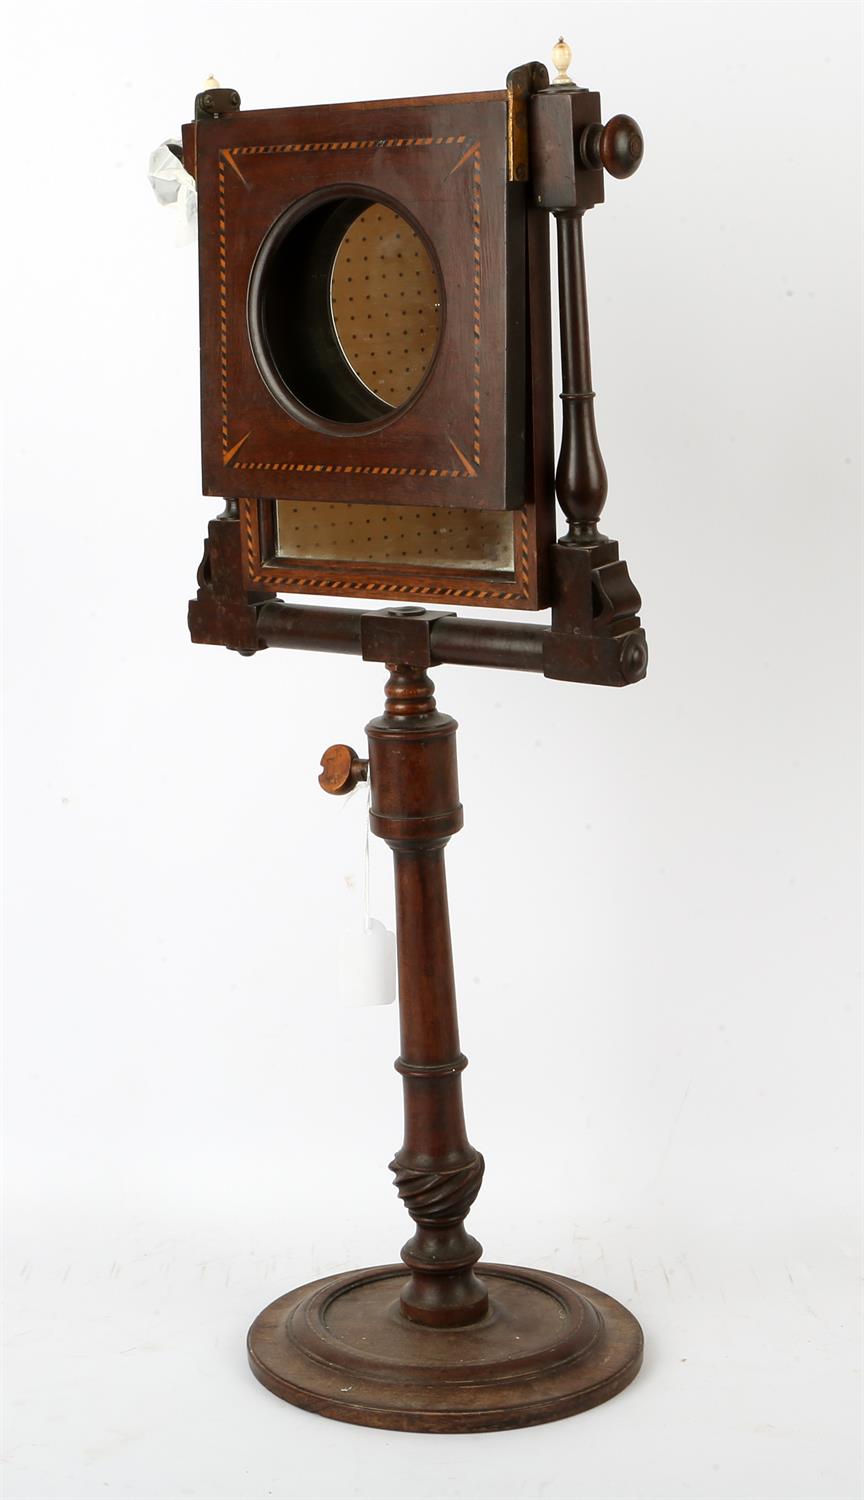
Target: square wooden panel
[[423, 553], [441, 164]]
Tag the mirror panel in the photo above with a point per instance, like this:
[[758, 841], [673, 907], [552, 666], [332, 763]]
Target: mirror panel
[[400, 535]]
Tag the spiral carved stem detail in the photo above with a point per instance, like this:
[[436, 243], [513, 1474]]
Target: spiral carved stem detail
[[436, 1198], [415, 806]]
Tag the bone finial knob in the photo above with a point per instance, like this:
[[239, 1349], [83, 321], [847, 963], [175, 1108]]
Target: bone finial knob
[[210, 83], [561, 56]]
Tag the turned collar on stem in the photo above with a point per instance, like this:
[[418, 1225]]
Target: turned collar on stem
[[408, 691]]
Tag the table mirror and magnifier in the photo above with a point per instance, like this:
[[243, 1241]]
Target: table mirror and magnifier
[[377, 405]]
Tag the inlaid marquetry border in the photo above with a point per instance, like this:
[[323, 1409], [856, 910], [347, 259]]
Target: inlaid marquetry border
[[285, 577], [230, 450]]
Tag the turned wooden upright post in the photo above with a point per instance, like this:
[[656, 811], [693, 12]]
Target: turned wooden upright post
[[415, 807], [580, 478]]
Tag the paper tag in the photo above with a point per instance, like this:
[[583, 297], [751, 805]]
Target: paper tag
[[367, 964]]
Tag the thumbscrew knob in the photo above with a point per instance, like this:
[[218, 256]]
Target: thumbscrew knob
[[341, 770]]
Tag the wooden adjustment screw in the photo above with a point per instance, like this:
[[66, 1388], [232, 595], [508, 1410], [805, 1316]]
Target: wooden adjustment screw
[[341, 769]]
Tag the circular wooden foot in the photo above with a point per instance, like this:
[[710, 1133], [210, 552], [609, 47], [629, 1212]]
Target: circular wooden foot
[[548, 1347]]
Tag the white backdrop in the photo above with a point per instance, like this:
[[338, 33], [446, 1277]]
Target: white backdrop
[[657, 994]]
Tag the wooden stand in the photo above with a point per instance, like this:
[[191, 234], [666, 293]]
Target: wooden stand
[[457, 1346]]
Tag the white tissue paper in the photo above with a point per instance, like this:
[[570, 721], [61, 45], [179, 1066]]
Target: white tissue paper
[[175, 188]]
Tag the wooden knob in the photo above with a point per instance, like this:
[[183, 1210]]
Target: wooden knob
[[341, 770], [618, 146]]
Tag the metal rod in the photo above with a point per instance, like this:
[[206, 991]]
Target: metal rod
[[455, 642], [310, 627], [489, 643]]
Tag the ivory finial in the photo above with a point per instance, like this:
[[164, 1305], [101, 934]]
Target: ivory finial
[[561, 55]]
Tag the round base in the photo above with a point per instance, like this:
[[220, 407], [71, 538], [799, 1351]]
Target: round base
[[548, 1347]]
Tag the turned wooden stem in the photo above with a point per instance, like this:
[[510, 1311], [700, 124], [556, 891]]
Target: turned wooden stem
[[415, 807], [580, 478]]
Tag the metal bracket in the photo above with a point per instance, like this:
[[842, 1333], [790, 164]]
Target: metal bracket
[[215, 104]]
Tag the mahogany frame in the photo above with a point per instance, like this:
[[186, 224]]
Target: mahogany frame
[[510, 399], [460, 440]]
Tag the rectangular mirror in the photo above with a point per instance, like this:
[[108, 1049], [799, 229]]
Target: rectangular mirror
[[400, 535]]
